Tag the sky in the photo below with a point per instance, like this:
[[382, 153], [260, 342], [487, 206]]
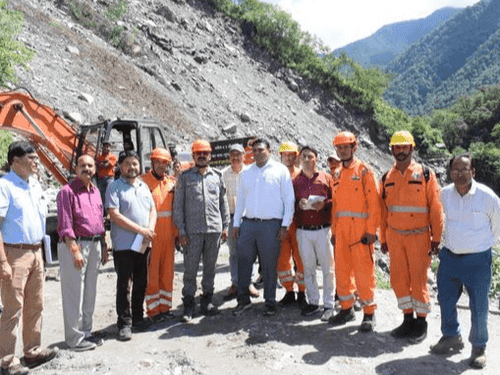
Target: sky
[[340, 22]]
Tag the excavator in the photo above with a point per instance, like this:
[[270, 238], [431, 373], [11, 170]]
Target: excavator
[[53, 136]]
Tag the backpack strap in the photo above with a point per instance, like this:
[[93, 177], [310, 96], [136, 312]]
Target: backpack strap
[[383, 184]]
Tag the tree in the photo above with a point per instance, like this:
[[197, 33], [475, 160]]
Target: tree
[[12, 52]]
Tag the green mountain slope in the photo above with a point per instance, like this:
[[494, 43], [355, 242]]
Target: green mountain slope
[[460, 55], [390, 41]]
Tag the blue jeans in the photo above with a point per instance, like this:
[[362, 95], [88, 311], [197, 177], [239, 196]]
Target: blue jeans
[[258, 238], [472, 271]]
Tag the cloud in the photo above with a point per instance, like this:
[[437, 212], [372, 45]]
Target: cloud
[[340, 22]]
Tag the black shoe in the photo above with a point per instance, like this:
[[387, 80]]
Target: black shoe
[[231, 294], [269, 311], [141, 325], [84, 345], [209, 310], [125, 334], [478, 357], [405, 329], [368, 323], [288, 299], [342, 317], [95, 340], [419, 332], [447, 344], [188, 313], [241, 308], [309, 310], [301, 300]]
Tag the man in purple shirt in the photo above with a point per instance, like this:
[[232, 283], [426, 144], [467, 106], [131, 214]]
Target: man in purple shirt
[[81, 250]]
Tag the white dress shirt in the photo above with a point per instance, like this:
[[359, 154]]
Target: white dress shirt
[[472, 222], [265, 193]]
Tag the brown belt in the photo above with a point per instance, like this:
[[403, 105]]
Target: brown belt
[[21, 246]]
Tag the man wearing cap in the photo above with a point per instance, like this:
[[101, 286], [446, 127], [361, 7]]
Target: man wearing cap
[[411, 227], [355, 220], [201, 213], [231, 175], [333, 162], [23, 207], [289, 153], [161, 258], [133, 219], [81, 250], [264, 211], [105, 166]]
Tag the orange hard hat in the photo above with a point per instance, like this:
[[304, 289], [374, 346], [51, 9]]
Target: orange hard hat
[[160, 154], [401, 138], [289, 147], [200, 145], [344, 138]]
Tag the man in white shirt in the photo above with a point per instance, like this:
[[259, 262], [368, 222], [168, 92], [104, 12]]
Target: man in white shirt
[[263, 213], [472, 226]]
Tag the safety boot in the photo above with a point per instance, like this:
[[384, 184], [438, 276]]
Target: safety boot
[[405, 328], [448, 344], [188, 313], [342, 317], [207, 308], [368, 323], [419, 332], [288, 299], [301, 300]]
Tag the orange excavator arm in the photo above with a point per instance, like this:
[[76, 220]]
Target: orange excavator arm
[[49, 132]]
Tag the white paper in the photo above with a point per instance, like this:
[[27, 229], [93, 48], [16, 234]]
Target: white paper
[[313, 199], [136, 245]]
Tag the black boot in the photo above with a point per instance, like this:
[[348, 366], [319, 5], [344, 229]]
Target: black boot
[[419, 332], [405, 329], [288, 299], [206, 306], [301, 300], [188, 313]]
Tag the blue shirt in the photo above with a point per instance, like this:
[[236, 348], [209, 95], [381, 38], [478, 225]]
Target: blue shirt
[[132, 201], [23, 207]]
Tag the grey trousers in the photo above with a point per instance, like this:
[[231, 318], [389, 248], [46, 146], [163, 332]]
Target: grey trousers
[[78, 289], [204, 246]]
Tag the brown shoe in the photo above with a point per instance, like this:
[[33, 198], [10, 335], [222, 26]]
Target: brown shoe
[[253, 292], [231, 294], [478, 357], [43, 356]]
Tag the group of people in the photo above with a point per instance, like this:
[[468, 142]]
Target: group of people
[[289, 215]]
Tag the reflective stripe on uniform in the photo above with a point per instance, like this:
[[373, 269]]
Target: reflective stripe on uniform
[[362, 215], [410, 231], [408, 209], [421, 307], [405, 303], [299, 278], [346, 298], [164, 214], [285, 276]]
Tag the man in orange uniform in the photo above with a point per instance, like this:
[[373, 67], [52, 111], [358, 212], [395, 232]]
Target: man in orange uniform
[[105, 167], [411, 226], [355, 220], [289, 248], [161, 261]]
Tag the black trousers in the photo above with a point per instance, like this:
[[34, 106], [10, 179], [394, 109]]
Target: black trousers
[[132, 270]]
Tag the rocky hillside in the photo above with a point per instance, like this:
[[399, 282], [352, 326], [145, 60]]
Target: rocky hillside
[[184, 65]]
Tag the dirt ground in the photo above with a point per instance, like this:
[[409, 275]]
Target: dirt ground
[[284, 344]]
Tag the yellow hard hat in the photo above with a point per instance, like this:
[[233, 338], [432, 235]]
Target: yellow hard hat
[[344, 138], [201, 145], [401, 138], [160, 154], [289, 147]]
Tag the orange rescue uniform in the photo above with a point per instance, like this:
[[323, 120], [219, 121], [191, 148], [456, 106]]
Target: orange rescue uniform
[[412, 217], [289, 251], [109, 171], [355, 211], [161, 259]]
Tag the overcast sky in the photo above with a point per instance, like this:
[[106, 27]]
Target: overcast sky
[[340, 22]]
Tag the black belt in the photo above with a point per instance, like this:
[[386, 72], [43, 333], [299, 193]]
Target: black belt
[[95, 238], [257, 219], [313, 227]]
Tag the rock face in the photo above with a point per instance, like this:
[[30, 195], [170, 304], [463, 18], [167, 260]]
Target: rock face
[[187, 67]]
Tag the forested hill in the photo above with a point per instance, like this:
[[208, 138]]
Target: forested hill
[[455, 59], [390, 41]]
